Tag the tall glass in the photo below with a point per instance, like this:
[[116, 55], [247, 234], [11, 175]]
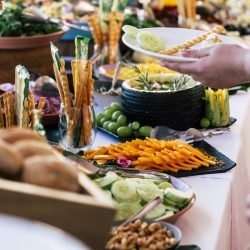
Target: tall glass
[[77, 128]]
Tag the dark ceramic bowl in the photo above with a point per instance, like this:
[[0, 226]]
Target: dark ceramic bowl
[[179, 110]]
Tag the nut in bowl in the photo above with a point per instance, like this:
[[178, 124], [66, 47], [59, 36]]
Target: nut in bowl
[[144, 235]]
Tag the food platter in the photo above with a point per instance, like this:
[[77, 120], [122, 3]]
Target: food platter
[[204, 146], [172, 37]]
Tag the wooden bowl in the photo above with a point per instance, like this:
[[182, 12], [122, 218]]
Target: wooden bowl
[[24, 42]]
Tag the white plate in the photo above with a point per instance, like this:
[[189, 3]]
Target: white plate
[[22, 234], [172, 37]]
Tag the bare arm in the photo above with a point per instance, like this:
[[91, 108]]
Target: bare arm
[[219, 66]]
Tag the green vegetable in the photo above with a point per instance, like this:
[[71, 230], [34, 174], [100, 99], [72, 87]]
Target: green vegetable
[[81, 47], [14, 23], [99, 118], [116, 106], [108, 113], [217, 109], [55, 55], [135, 125]]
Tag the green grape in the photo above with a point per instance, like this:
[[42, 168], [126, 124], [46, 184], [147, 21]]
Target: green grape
[[116, 114], [125, 131], [99, 118], [145, 131], [135, 125], [108, 113], [122, 120], [112, 127]]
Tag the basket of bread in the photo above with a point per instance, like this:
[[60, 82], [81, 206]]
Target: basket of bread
[[38, 182]]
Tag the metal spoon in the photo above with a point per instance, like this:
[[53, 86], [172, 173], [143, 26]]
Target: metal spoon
[[147, 208], [112, 90]]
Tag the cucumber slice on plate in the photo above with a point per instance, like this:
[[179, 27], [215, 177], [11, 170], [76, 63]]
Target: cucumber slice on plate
[[148, 191], [127, 209], [131, 30], [177, 195], [173, 204], [173, 209], [165, 184], [166, 215], [149, 41], [108, 179], [156, 212], [123, 190]]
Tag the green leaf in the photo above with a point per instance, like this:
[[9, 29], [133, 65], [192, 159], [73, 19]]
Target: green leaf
[[55, 55], [81, 47]]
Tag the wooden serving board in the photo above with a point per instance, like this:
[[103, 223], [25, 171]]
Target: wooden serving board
[[78, 214]]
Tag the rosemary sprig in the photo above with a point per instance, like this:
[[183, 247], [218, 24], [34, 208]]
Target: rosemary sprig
[[179, 82], [143, 78]]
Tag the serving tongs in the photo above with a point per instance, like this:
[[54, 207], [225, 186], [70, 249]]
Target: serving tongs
[[39, 16], [90, 169], [189, 136]]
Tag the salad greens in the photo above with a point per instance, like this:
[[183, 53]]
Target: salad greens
[[14, 23]]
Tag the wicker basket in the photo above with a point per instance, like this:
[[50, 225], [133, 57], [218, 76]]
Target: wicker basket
[[177, 109]]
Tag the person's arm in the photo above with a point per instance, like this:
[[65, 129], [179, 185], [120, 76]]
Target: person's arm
[[248, 208], [219, 66]]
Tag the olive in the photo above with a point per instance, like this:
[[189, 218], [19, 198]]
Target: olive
[[122, 120]]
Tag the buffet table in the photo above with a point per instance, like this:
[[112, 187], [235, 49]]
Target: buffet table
[[217, 219]]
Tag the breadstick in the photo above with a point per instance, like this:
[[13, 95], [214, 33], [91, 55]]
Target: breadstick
[[58, 81], [40, 106], [75, 76], [191, 9], [1, 116], [218, 29], [65, 88], [94, 24], [31, 108], [11, 101], [9, 108]]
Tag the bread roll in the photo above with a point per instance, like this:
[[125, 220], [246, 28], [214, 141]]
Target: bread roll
[[11, 161], [15, 134], [31, 148], [49, 171]]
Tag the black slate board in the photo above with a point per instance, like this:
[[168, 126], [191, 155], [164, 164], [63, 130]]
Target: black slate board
[[228, 163]]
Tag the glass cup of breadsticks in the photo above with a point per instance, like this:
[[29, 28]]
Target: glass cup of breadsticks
[[77, 124], [77, 131]]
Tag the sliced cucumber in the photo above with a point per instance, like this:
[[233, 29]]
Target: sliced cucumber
[[127, 209], [166, 215], [149, 41], [177, 195], [148, 191], [131, 30], [173, 204], [165, 184], [170, 208], [108, 179], [156, 212], [123, 190]]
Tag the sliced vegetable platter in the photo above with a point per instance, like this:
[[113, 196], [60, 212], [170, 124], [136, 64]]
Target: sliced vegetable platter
[[131, 194]]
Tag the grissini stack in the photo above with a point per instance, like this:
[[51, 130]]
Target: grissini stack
[[95, 27], [16, 109], [170, 51], [79, 125]]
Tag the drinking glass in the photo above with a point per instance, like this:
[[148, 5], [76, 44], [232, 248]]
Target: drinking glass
[[77, 128]]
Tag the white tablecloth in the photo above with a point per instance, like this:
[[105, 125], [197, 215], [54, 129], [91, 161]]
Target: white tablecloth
[[217, 219]]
